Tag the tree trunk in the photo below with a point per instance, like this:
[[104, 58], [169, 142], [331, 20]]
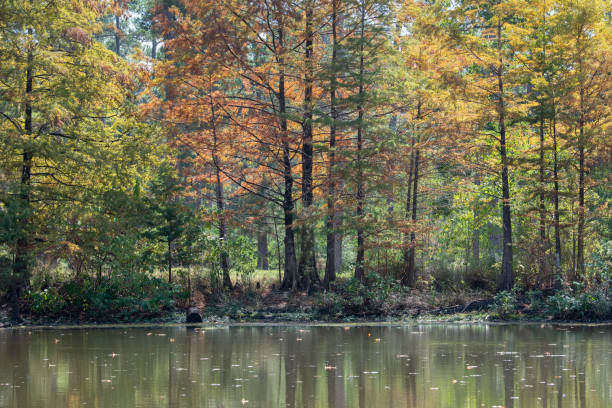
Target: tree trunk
[[338, 237], [476, 229], [411, 273], [330, 262], [117, 36], [573, 271], [558, 270], [580, 245], [262, 250], [307, 264], [224, 257], [542, 208], [405, 279], [411, 269], [359, 272], [21, 270], [278, 252], [153, 46], [290, 280], [507, 279], [169, 256]]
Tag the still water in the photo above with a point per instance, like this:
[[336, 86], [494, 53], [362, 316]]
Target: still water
[[447, 365]]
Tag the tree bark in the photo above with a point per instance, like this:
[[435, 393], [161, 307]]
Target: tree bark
[[580, 244], [153, 46], [262, 250], [117, 37], [359, 271], [290, 280], [542, 207], [558, 270], [507, 279], [476, 229], [411, 269], [411, 273], [330, 224], [405, 279], [307, 264], [169, 260], [21, 270], [223, 255]]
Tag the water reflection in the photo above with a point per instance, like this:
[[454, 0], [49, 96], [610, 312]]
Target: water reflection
[[314, 366]]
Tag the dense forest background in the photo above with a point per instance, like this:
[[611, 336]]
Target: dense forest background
[[150, 147]]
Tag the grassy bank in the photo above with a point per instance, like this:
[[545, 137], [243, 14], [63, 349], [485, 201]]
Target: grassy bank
[[144, 298]]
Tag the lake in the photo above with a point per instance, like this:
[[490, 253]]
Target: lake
[[428, 365]]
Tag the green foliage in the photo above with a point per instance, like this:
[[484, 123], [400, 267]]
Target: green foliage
[[241, 252], [120, 297], [577, 303], [375, 296], [505, 303], [588, 305], [601, 267]]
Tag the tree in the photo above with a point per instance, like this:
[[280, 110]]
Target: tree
[[481, 29], [587, 104], [63, 106]]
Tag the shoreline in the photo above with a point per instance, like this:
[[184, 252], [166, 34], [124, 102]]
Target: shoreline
[[215, 323]]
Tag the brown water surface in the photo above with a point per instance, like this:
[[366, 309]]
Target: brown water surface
[[442, 365]]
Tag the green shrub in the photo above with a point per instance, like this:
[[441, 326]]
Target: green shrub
[[504, 303], [116, 298], [373, 296], [587, 305], [602, 262]]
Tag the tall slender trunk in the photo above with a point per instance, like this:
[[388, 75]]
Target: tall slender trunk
[[573, 271], [558, 270], [542, 207], [359, 272], [262, 250], [476, 228], [278, 251], [507, 279], [169, 256], [410, 276], [307, 264], [117, 36], [330, 224], [290, 280], [405, 279], [580, 244], [153, 46], [21, 270], [411, 273], [223, 255]]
